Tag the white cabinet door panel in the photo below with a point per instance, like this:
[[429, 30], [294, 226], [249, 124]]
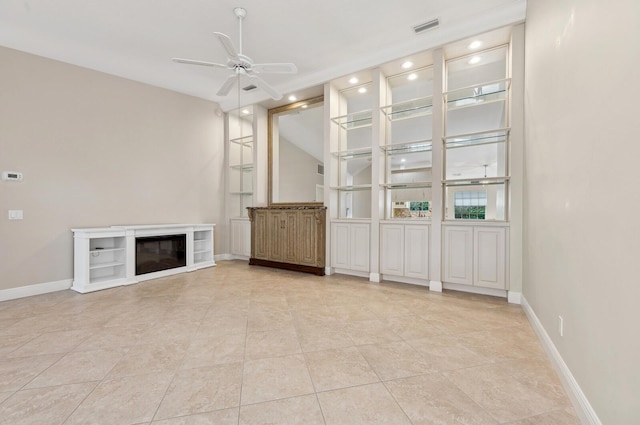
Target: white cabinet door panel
[[359, 247], [458, 260], [489, 257], [340, 233], [416, 251], [392, 250]]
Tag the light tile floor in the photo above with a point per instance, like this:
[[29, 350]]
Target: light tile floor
[[246, 345]]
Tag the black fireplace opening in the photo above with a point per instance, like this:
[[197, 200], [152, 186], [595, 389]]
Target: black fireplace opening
[[156, 253]]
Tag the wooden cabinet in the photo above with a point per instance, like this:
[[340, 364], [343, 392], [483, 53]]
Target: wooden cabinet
[[475, 255], [288, 237], [350, 246], [404, 250]]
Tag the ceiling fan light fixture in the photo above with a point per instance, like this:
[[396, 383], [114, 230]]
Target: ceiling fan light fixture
[[240, 64]]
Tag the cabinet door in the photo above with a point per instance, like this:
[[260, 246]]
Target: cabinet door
[[416, 251], [392, 249], [340, 245], [489, 257], [307, 238], [458, 261], [241, 237], [276, 224], [289, 237], [260, 235], [359, 247]]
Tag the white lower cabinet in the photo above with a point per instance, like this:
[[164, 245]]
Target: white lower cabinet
[[404, 250], [241, 238], [350, 246], [489, 257], [475, 255]]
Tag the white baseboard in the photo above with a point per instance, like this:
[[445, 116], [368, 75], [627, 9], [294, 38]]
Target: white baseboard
[[579, 400], [403, 279], [475, 290], [37, 289], [514, 297], [222, 257]]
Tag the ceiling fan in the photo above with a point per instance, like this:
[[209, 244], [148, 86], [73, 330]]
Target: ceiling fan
[[243, 65]]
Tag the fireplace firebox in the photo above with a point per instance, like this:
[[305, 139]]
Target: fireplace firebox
[[156, 253]]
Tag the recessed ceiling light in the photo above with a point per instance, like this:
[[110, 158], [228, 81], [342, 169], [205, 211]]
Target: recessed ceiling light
[[246, 111], [407, 65], [475, 44], [353, 80], [362, 90], [304, 106], [412, 77], [293, 98], [474, 60], [403, 160]]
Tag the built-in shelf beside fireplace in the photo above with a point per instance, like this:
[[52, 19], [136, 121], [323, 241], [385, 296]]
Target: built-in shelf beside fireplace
[[106, 257]]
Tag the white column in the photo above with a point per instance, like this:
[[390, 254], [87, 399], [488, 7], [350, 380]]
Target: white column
[[435, 272]]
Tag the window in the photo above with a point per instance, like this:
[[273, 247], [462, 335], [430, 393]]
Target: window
[[470, 205]]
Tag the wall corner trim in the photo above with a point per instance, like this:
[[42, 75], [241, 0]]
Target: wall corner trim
[[37, 289], [514, 297], [579, 400]]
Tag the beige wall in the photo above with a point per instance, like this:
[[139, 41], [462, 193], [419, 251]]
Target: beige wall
[[582, 233], [97, 150]]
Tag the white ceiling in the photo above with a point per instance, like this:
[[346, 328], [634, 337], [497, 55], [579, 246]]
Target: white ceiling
[[136, 39]]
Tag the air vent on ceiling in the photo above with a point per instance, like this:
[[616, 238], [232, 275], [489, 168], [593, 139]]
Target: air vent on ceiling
[[426, 26], [249, 87]]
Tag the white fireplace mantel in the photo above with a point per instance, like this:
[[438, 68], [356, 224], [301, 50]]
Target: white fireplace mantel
[[105, 257]]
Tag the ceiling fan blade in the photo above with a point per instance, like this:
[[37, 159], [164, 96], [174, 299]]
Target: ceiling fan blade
[[226, 87], [195, 62], [264, 86], [274, 68], [228, 46]]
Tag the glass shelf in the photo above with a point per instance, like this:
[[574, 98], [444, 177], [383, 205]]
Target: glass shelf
[[494, 91], [409, 109], [354, 120], [484, 181], [242, 140], [476, 139], [413, 185], [354, 188], [408, 148], [242, 167], [353, 153]]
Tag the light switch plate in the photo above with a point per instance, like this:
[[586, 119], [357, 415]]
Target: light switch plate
[[15, 215]]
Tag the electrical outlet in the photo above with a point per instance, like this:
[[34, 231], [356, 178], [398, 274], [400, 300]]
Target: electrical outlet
[[560, 325]]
